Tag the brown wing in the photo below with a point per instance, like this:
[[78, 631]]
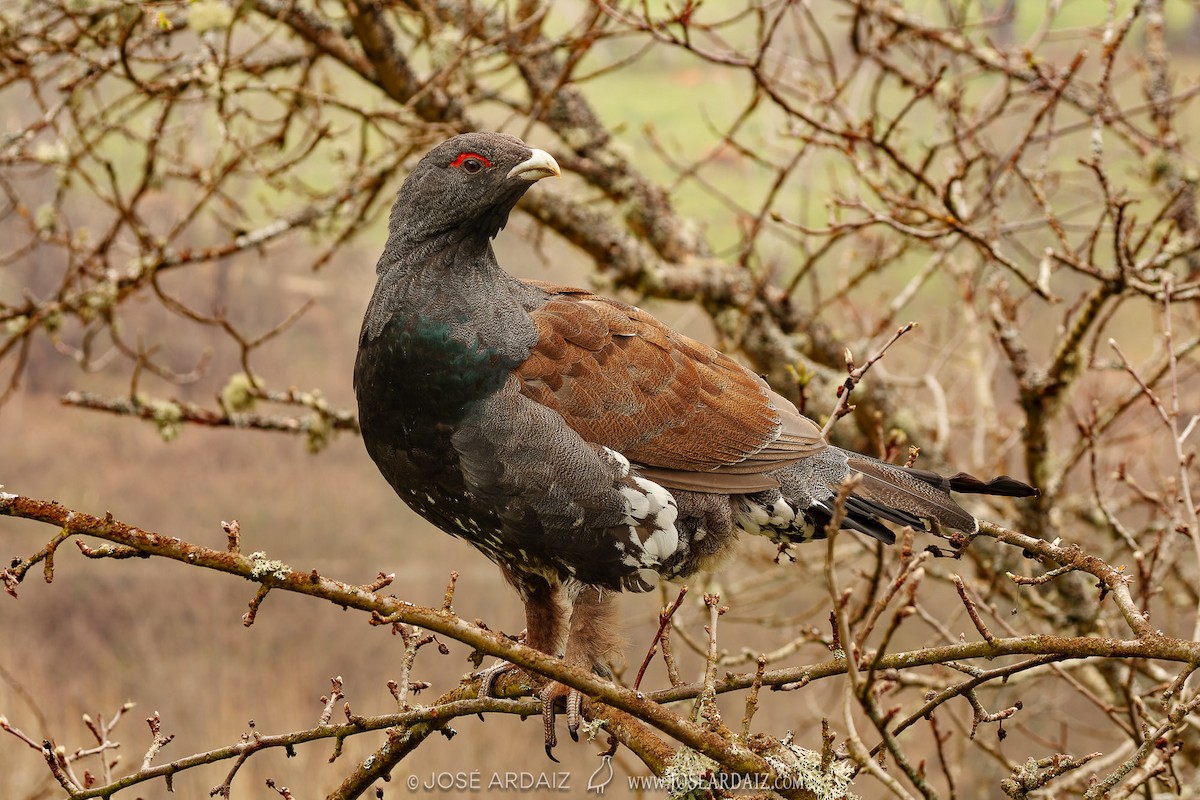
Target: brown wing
[[695, 418]]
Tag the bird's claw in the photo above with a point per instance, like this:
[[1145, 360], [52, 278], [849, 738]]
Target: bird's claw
[[550, 694], [487, 677], [574, 702]]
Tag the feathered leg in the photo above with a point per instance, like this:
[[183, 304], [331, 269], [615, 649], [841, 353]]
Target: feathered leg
[[588, 638], [575, 622], [546, 617], [593, 643]]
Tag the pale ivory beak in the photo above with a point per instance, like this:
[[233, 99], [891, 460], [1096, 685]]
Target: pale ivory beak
[[540, 164]]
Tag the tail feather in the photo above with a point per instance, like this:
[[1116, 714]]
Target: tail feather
[[884, 495], [871, 527], [860, 507], [900, 490], [904, 494], [1001, 486], [857, 518]]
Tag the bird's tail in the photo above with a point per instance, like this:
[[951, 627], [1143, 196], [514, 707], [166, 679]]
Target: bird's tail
[[888, 493]]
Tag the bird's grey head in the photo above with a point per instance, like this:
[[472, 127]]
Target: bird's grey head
[[466, 186]]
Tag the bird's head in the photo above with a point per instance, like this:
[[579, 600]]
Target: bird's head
[[467, 185]]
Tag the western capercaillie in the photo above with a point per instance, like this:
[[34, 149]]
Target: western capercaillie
[[581, 444]]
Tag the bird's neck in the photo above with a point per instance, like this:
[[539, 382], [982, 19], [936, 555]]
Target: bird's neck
[[442, 333], [442, 275], [457, 283], [419, 240], [413, 251]]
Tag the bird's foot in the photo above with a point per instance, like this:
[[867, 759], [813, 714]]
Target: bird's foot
[[487, 677], [550, 694]]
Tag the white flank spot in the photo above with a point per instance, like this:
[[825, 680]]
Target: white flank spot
[[667, 516], [745, 520], [662, 544], [661, 496], [783, 513], [639, 504]]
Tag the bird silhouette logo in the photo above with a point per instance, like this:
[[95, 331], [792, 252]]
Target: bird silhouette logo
[[599, 780]]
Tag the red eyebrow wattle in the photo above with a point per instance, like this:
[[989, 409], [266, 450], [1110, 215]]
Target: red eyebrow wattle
[[458, 162]]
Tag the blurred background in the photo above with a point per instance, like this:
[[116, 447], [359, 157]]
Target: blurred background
[[1014, 177]]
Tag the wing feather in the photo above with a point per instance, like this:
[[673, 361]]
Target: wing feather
[[690, 414]]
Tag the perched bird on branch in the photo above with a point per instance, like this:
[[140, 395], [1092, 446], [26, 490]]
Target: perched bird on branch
[[578, 442]]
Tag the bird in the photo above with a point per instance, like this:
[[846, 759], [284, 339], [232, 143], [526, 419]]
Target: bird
[[577, 441]]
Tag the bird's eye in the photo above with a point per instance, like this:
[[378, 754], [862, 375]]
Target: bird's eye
[[470, 162]]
